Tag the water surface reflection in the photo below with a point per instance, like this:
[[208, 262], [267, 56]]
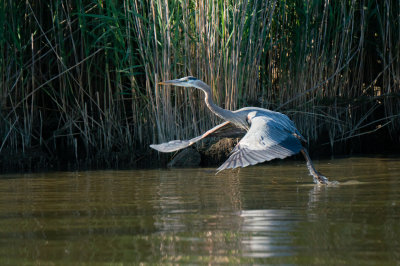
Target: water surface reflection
[[264, 214]]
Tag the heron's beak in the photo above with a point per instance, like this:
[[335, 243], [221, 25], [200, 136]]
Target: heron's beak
[[170, 82]]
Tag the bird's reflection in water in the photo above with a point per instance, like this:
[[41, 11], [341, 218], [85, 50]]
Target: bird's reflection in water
[[318, 192], [315, 195]]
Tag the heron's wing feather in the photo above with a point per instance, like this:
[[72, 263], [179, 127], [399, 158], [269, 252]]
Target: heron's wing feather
[[174, 145], [224, 129], [265, 140]]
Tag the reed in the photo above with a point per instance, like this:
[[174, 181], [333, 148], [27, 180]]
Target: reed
[[78, 79]]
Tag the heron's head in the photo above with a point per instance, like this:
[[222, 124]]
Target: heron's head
[[183, 82]]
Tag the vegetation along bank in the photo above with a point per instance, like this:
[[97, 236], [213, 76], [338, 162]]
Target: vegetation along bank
[[78, 79]]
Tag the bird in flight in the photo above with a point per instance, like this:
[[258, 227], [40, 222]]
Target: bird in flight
[[267, 134]]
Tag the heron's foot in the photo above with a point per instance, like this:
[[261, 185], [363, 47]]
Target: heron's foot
[[320, 179], [323, 180]]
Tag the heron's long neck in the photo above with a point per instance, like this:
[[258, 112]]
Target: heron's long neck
[[223, 113]]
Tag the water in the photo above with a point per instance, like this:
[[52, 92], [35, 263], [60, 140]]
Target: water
[[268, 214]]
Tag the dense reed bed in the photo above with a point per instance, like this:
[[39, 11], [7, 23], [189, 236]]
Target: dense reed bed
[[78, 79]]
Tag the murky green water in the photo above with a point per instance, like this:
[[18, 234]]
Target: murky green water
[[262, 214]]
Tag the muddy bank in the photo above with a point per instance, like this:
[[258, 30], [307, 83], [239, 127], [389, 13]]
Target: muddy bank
[[209, 153]]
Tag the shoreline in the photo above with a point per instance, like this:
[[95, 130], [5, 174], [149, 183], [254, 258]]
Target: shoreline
[[211, 154]]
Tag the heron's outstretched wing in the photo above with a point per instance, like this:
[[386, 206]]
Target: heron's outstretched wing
[[265, 140], [222, 130]]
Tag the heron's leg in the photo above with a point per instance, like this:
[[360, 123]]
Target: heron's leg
[[318, 177]]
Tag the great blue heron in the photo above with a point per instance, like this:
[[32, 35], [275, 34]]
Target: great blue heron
[[269, 134]]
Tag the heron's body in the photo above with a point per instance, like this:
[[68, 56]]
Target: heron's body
[[280, 118], [267, 134]]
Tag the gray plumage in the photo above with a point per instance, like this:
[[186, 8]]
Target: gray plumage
[[265, 140], [267, 134]]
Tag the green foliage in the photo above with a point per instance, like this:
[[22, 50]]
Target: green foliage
[[78, 79]]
